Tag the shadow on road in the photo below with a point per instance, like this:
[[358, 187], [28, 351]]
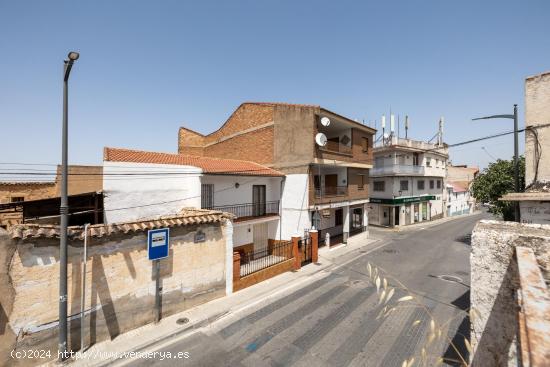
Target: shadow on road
[[462, 331]]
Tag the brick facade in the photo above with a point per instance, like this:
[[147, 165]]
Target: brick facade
[[247, 135]]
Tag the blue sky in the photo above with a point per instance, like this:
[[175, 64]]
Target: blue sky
[[147, 68]]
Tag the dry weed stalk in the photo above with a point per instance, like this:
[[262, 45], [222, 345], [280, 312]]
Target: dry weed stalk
[[385, 293]]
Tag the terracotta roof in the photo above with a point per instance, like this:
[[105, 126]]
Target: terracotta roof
[[457, 186], [187, 216], [281, 104], [27, 183], [207, 164]]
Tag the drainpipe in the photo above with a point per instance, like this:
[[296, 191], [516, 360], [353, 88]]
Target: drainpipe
[[281, 209]]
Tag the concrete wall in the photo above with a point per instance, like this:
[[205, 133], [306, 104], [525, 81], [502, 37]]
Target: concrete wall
[[537, 112], [176, 191], [294, 204], [494, 282], [120, 285], [294, 135]]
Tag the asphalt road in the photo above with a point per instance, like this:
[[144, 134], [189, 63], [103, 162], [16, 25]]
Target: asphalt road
[[334, 321]]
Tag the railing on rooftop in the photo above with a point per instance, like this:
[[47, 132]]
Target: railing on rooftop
[[396, 169], [534, 308], [249, 209]]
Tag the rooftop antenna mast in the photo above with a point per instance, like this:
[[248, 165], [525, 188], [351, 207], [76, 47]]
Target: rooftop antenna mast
[[440, 131], [406, 126]]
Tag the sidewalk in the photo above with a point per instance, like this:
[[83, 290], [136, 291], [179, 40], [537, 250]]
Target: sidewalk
[[147, 338], [424, 224]]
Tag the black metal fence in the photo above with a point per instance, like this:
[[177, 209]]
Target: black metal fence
[[257, 260], [249, 209]]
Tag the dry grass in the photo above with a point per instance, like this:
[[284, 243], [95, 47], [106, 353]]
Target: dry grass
[[435, 333]]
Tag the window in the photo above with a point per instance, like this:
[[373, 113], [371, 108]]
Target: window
[[404, 185], [361, 182], [207, 196], [415, 159], [365, 144], [16, 199], [428, 162], [339, 217], [420, 184], [438, 184], [379, 162], [379, 186], [437, 162], [432, 184]]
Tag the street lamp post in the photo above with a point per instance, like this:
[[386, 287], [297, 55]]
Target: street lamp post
[[514, 117], [64, 211]]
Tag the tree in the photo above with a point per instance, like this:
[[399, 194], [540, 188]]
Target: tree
[[495, 181]]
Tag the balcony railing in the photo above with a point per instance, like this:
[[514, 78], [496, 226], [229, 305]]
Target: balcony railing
[[332, 146], [249, 209], [396, 169], [331, 191]]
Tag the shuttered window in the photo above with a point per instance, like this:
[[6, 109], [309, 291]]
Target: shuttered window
[[207, 196]]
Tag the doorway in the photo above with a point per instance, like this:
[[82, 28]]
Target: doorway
[[396, 210], [385, 215], [259, 236], [258, 200]]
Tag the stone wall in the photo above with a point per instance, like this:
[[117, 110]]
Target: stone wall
[[537, 113], [494, 282], [120, 287]]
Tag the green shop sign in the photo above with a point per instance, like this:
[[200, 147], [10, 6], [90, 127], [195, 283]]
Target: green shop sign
[[413, 199]]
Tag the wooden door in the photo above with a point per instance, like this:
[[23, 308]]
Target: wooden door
[[331, 181]]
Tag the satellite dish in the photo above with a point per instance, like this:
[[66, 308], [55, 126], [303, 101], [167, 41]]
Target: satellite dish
[[325, 121], [386, 135], [321, 139]]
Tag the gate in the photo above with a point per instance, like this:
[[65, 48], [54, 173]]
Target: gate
[[304, 248]]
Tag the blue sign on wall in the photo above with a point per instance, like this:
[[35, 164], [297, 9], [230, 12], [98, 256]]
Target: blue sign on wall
[[157, 243]]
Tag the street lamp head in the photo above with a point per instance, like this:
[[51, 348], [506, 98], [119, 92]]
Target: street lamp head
[[73, 56]]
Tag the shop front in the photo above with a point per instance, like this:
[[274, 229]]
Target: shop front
[[400, 211]]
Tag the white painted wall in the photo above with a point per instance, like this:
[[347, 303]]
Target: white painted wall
[[295, 203], [243, 232], [225, 192], [154, 187], [458, 201]]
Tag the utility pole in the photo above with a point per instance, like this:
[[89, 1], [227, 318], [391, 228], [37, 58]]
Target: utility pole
[[514, 117], [64, 211], [516, 162]]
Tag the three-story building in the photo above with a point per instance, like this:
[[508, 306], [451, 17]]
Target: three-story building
[[407, 182], [326, 181]]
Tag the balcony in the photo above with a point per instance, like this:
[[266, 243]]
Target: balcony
[[250, 210], [397, 169], [335, 147], [331, 191]]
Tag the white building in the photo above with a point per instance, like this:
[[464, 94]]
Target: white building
[[459, 200], [140, 185], [407, 182]]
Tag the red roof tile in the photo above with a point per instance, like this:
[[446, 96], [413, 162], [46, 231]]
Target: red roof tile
[[457, 186], [207, 164]]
